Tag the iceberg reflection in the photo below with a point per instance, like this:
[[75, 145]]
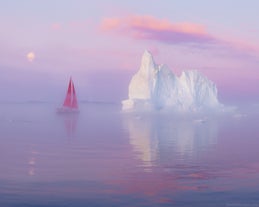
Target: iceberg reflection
[[143, 140], [159, 139]]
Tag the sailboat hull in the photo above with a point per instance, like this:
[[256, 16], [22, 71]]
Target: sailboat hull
[[66, 110]]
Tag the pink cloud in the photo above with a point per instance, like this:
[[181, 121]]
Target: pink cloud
[[56, 26], [110, 23], [185, 33], [162, 30]]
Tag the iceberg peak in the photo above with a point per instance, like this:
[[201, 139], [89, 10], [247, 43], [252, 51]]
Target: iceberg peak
[[147, 54], [147, 62], [157, 87]]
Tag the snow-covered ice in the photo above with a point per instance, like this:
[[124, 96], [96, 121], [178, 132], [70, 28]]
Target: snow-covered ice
[[157, 87]]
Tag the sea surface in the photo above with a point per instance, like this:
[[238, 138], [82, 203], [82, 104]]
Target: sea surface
[[103, 157]]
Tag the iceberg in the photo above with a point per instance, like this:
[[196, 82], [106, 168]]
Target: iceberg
[[157, 87]]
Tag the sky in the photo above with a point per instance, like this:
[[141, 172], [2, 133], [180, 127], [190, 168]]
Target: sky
[[100, 44]]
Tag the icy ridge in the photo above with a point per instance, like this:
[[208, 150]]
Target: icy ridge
[[157, 87]]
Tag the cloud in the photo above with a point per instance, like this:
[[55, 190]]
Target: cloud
[[56, 26], [161, 30], [187, 34]]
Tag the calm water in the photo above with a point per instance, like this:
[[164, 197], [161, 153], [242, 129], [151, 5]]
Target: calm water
[[103, 157]]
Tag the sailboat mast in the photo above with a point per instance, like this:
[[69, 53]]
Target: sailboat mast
[[67, 101], [74, 101], [71, 91]]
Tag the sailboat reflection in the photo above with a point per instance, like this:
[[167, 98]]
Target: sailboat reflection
[[70, 124], [157, 139]]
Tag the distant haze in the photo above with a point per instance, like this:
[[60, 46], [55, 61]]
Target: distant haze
[[100, 45]]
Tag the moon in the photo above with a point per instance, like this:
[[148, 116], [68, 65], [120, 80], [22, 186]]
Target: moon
[[30, 56]]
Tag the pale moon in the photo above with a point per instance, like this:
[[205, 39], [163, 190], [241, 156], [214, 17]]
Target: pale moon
[[30, 56]]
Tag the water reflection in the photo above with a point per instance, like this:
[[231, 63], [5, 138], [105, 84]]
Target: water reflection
[[159, 139], [32, 162], [143, 139], [126, 160], [70, 123]]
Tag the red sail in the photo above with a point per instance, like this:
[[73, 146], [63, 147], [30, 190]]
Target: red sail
[[71, 100], [74, 101], [67, 102]]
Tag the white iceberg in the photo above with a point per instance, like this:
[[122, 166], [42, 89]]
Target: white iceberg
[[157, 87]]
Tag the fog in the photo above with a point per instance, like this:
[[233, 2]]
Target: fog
[[48, 158], [22, 85]]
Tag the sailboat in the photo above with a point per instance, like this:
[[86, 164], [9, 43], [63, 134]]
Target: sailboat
[[70, 104]]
